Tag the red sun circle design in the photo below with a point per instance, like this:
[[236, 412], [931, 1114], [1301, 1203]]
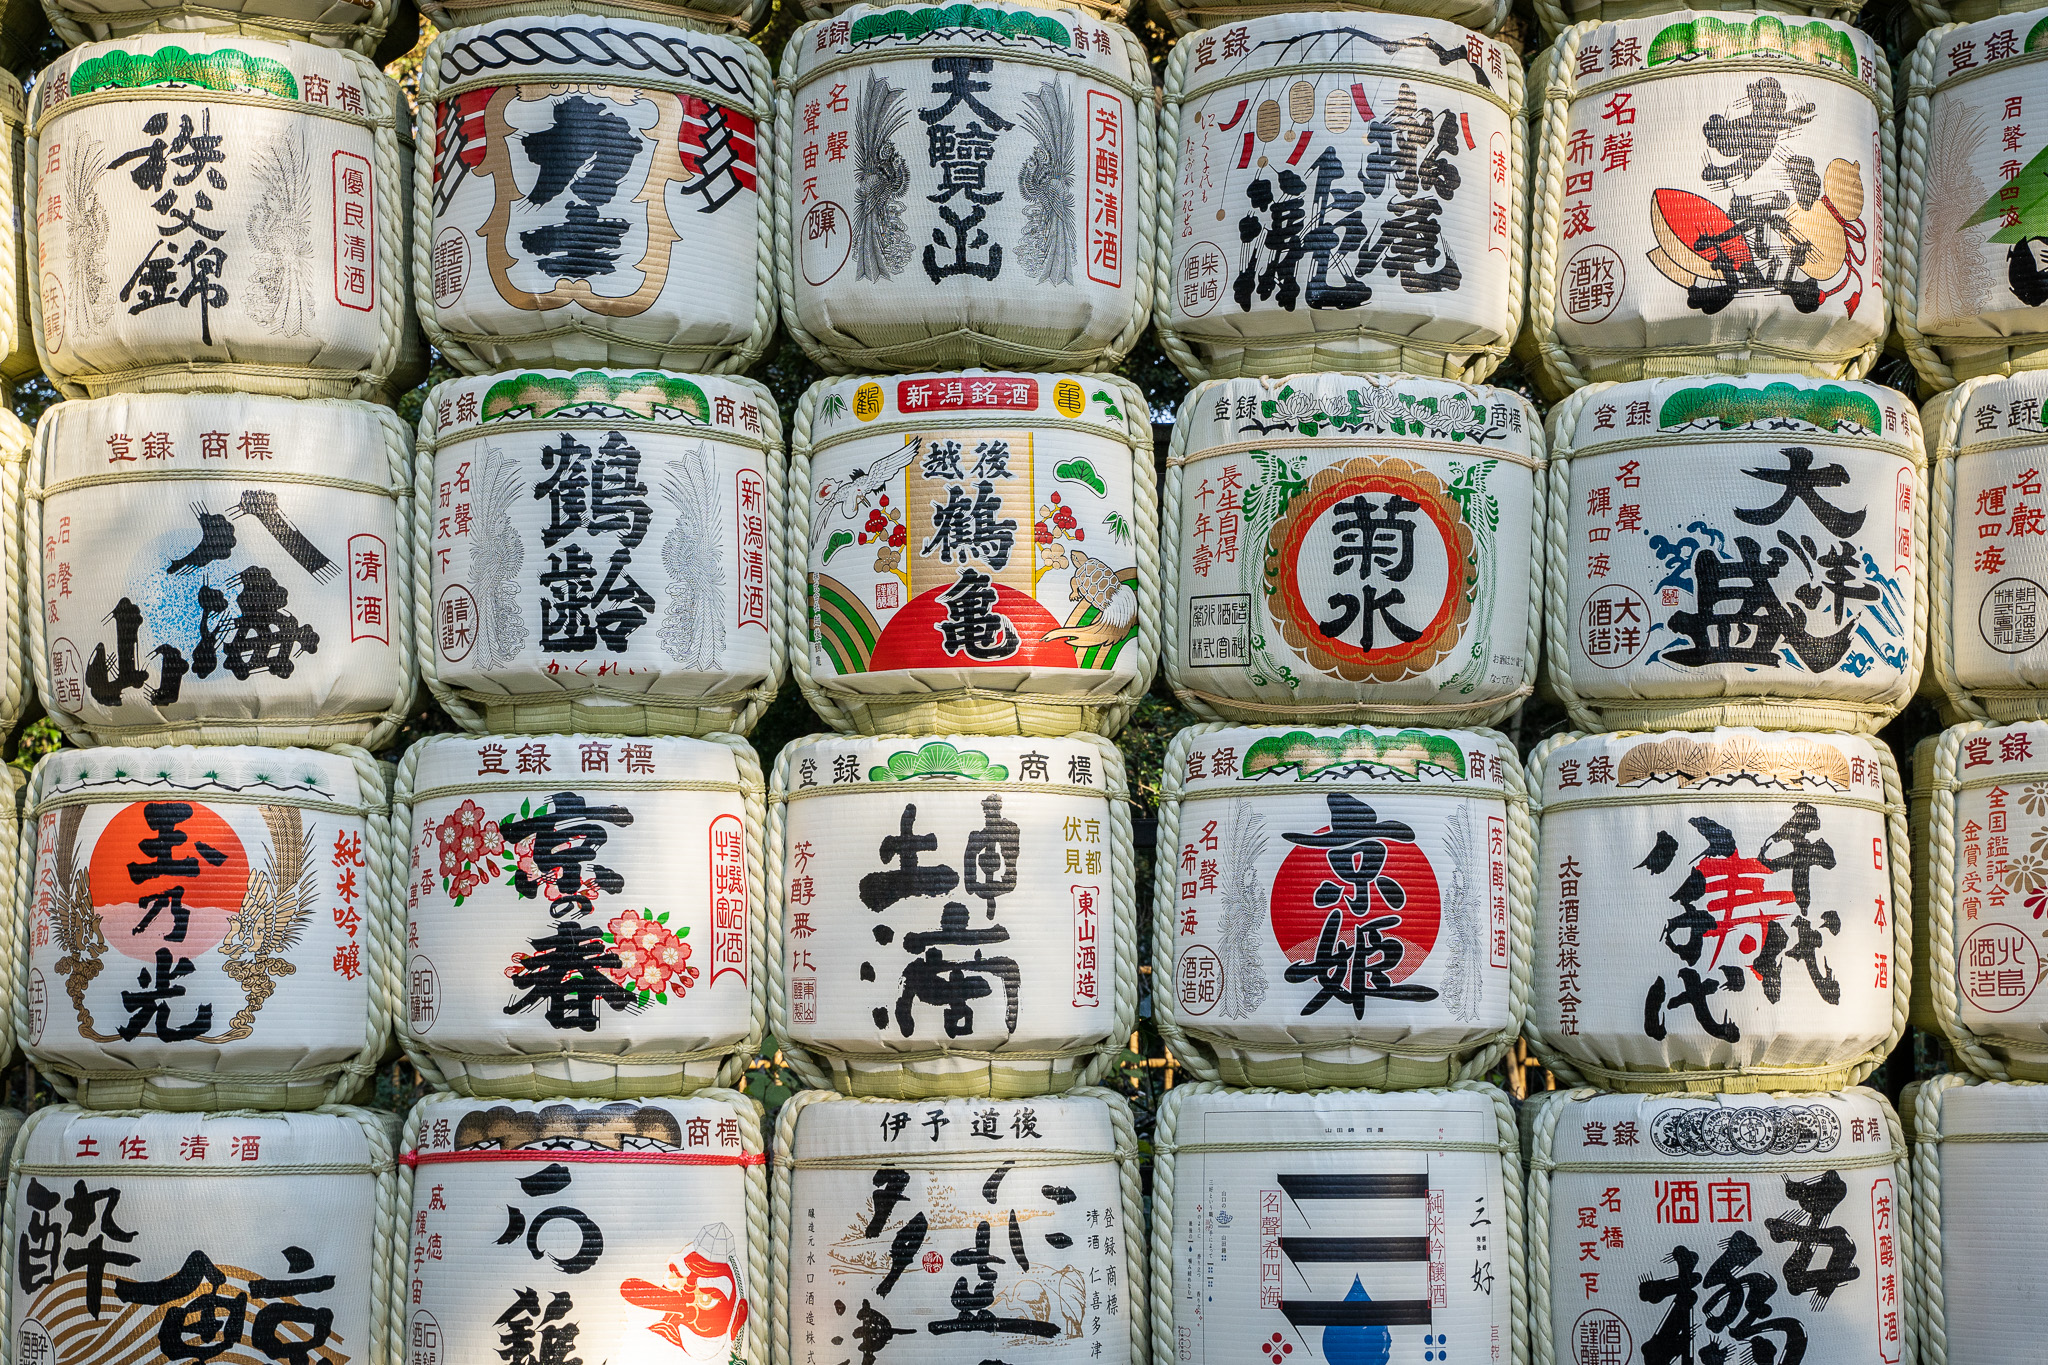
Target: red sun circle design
[[1298, 923], [211, 897]]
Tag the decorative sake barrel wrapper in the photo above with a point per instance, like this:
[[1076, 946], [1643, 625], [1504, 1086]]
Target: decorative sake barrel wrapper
[[1367, 229], [584, 913], [16, 439], [1348, 907], [715, 16], [208, 928], [1185, 17], [595, 195], [1100, 9], [1974, 263], [1988, 545], [967, 185], [1718, 910], [227, 568], [601, 550], [17, 339], [617, 1232], [1354, 547], [1742, 1227], [1389, 1226], [1738, 552], [1559, 15], [865, 1190], [1988, 874], [974, 900], [1711, 198], [356, 24], [260, 1230], [1977, 1148], [951, 574], [221, 212]]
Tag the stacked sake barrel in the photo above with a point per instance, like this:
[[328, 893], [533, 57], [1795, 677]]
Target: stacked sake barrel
[[1735, 604]]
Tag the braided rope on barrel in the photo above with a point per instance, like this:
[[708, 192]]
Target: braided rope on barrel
[[1969, 1049]]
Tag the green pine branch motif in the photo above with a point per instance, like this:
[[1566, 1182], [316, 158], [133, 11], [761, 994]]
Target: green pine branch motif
[[939, 759]]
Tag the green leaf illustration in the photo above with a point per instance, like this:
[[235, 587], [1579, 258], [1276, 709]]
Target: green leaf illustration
[[939, 759]]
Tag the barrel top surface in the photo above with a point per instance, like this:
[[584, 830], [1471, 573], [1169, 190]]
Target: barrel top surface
[[1978, 49], [1772, 764], [536, 50], [887, 403], [707, 404], [853, 1129], [884, 32], [2000, 411], [105, 437], [453, 763], [1231, 1117], [1995, 1107], [1707, 409], [1437, 49], [1682, 1129], [239, 1143], [1342, 410], [1251, 760], [283, 776], [191, 65], [900, 763], [1987, 756], [1696, 42]]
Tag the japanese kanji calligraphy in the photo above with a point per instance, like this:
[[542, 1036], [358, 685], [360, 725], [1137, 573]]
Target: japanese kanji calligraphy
[[1992, 546], [216, 918]]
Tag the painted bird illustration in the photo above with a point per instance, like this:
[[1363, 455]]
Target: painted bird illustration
[[1095, 583], [854, 492]]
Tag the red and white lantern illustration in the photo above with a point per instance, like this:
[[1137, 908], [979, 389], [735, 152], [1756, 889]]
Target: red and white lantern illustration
[[626, 1231], [1341, 906], [954, 914], [596, 192], [223, 568], [208, 928], [600, 550], [582, 912], [1648, 1212], [1731, 906]]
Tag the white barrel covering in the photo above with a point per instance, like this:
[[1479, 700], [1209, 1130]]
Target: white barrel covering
[[1389, 1227], [600, 550], [1341, 906], [1346, 194], [594, 190], [1728, 910], [1736, 1227], [1186, 16], [17, 342], [948, 572], [257, 243], [1987, 854], [1736, 551], [1711, 196], [235, 945], [16, 614], [1036, 1200], [619, 1232], [15, 850], [263, 1232], [966, 185], [584, 913], [1101, 9], [897, 873], [1354, 547], [227, 568], [1559, 15], [1988, 546], [1973, 264], [715, 16], [1980, 1192], [356, 24]]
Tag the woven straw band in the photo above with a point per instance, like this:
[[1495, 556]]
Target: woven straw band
[[1381, 788], [285, 29], [951, 785], [105, 796], [283, 476], [131, 1169], [1740, 67], [1630, 799], [617, 1158], [1389, 70], [1989, 1137], [1302, 713], [735, 438], [2009, 778], [1520, 457], [955, 1161], [639, 1059], [1348, 1145], [159, 93], [1738, 1162], [945, 1054], [1914, 455]]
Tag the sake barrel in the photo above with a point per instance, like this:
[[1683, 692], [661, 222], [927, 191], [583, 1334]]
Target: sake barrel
[[955, 574], [247, 895], [1987, 851], [1187, 16], [1348, 906], [1980, 1187], [1387, 1223], [17, 342], [1559, 15], [856, 1205], [966, 185], [624, 1231], [595, 196], [952, 916], [583, 916], [1101, 9], [1710, 198], [356, 24], [715, 16], [600, 550], [226, 568], [264, 1230], [220, 212], [15, 442], [1973, 265], [1374, 225], [1728, 910], [1399, 518], [1744, 1227], [1931, 12], [1988, 546], [1768, 566]]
